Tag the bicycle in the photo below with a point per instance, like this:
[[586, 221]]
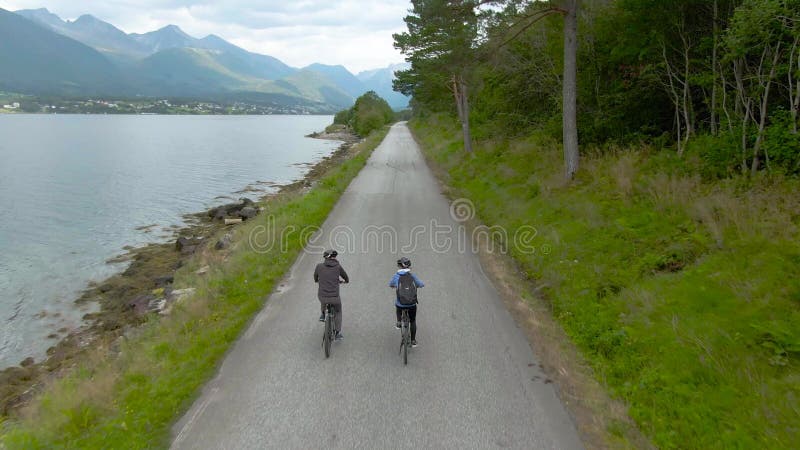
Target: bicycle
[[330, 332], [405, 335]]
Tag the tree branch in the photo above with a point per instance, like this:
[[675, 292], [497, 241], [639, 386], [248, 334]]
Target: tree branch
[[532, 18]]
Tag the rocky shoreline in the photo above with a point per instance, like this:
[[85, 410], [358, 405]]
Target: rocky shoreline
[[126, 300]]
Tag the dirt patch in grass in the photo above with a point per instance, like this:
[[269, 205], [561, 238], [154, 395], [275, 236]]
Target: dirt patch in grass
[[602, 421]]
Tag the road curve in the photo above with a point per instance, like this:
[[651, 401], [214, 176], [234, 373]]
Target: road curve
[[473, 382]]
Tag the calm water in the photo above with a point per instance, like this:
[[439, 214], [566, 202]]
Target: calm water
[[74, 189]]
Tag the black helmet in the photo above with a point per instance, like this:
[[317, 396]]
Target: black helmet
[[330, 254], [404, 262]]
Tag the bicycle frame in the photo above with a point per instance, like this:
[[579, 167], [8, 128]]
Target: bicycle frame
[[405, 335]]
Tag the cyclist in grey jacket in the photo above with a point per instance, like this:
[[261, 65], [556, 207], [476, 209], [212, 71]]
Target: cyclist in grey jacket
[[328, 274]]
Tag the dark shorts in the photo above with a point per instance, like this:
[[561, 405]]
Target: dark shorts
[[412, 313]]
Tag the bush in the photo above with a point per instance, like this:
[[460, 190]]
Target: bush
[[720, 156], [365, 122], [369, 113], [343, 117], [782, 143]]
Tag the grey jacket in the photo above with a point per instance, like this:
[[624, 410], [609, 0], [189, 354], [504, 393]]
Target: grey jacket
[[327, 276]]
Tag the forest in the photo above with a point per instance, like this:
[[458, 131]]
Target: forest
[[721, 73], [654, 146]]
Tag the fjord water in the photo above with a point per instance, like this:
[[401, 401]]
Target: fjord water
[[75, 188]]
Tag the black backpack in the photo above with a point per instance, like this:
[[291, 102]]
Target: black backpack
[[407, 290]]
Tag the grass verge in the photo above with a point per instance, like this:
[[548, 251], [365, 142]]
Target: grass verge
[[127, 393], [682, 294]]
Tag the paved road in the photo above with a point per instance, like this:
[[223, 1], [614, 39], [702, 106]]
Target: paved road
[[473, 382]]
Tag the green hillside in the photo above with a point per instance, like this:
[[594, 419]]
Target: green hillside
[[195, 72], [244, 62], [341, 77], [187, 71], [314, 86], [35, 59]]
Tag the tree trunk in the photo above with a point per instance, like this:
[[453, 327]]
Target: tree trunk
[[685, 96], [465, 119], [763, 114], [745, 123], [743, 104], [678, 127], [725, 102], [713, 106], [672, 79], [462, 106], [570, 112], [794, 85]]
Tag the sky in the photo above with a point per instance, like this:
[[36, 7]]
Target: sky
[[355, 34]]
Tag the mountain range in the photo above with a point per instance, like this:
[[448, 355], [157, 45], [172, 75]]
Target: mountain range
[[43, 54]]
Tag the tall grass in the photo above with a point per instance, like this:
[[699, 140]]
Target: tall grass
[[684, 295], [129, 397]]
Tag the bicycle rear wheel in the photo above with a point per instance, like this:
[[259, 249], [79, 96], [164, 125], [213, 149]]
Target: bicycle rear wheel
[[406, 329], [326, 338]]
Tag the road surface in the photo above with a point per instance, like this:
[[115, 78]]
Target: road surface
[[473, 381]]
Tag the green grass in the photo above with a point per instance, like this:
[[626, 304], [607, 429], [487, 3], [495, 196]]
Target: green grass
[[683, 295], [132, 399]]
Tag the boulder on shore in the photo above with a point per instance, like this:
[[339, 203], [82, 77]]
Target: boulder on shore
[[233, 209], [178, 295], [218, 213], [248, 212], [140, 304], [187, 245], [224, 242], [164, 280], [189, 250]]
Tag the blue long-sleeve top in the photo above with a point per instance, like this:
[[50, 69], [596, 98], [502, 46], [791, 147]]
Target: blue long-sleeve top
[[393, 283]]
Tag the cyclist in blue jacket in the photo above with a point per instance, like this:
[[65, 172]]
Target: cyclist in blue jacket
[[406, 283]]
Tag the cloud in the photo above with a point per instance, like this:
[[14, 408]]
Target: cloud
[[355, 34]]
